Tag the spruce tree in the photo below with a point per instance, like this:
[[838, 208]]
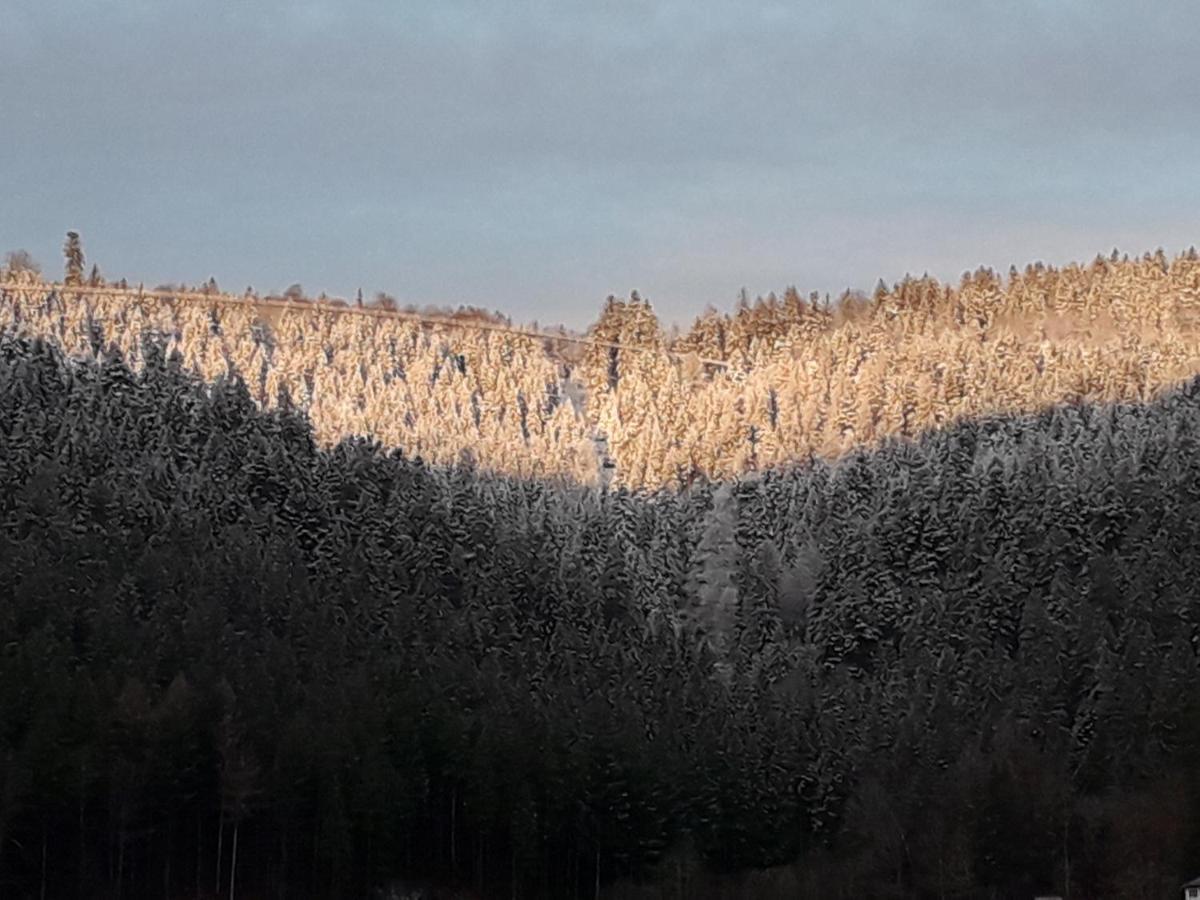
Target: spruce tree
[[73, 251], [712, 584]]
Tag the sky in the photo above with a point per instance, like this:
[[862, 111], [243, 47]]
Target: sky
[[535, 157]]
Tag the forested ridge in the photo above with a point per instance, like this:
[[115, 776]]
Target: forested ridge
[[234, 656], [898, 600], [801, 376]]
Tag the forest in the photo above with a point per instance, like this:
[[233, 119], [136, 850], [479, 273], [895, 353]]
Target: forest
[[898, 601], [779, 380]]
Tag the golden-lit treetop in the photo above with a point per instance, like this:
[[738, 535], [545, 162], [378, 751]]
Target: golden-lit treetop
[[801, 376]]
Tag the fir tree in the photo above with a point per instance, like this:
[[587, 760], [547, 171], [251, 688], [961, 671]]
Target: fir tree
[[73, 251]]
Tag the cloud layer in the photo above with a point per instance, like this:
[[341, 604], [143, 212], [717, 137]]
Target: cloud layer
[[538, 156]]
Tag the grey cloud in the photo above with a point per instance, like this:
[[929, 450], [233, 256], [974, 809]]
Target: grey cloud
[[542, 154]]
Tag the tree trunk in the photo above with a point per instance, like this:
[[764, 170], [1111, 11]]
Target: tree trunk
[[43, 891], [121, 857], [199, 843], [1067, 858], [220, 843], [283, 862], [453, 832], [370, 849], [479, 854], [79, 876], [167, 861], [7, 799], [111, 835], [233, 860], [316, 857]]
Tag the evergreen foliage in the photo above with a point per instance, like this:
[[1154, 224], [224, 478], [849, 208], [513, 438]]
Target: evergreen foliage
[[73, 251], [962, 665], [773, 384]]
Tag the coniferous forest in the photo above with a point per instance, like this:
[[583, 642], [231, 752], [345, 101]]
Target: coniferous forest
[[894, 596]]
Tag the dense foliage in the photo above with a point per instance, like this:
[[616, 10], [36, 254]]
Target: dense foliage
[[796, 376], [964, 665]]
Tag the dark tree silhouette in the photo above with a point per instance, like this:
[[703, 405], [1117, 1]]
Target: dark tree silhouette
[[73, 251]]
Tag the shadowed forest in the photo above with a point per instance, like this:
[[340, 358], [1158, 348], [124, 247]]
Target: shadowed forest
[[899, 601]]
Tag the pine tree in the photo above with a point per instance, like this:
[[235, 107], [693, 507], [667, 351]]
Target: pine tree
[[73, 251]]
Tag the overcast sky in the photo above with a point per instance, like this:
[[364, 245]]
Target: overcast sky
[[537, 156]]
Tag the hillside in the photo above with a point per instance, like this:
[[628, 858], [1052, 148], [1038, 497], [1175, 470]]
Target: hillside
[[776, 382], [920, 619], [962, 666]]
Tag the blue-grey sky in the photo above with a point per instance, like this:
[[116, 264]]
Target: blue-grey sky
[[537, 156]]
